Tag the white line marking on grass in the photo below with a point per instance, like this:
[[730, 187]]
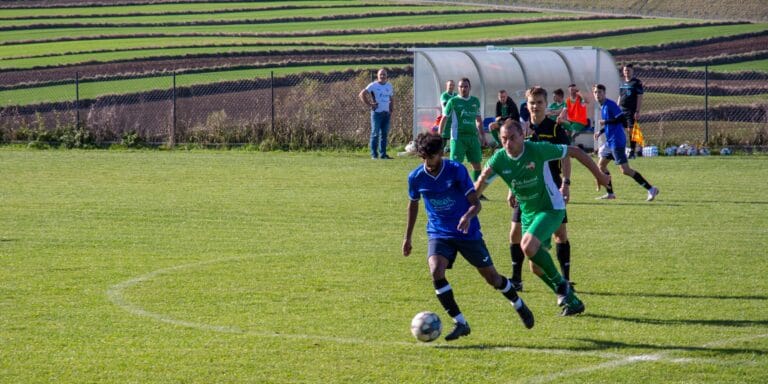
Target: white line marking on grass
[[639, 358], [115, 295]]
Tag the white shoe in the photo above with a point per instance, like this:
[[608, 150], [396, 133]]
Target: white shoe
[[607, 196], [652, 193]]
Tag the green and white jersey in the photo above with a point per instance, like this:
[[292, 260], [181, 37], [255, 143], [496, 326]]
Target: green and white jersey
[[443, 102], [529, 176], [463, 114]]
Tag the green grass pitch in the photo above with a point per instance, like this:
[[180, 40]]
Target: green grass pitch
[[249, 267]]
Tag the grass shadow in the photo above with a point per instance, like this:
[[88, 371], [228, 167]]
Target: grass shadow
[[668, 322], [678, 295]]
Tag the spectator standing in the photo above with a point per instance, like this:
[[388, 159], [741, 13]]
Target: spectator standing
[[630, 101], [378, 95]]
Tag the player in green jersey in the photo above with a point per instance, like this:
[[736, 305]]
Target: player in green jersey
[[466, 127], [523, 165], [450, 92]]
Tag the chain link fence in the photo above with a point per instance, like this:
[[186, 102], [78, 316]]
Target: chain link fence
[[321, 110], [704, 107]]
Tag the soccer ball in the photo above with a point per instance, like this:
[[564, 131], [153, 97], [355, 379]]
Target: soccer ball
[[725, 151], [410, 147], [426, 326]]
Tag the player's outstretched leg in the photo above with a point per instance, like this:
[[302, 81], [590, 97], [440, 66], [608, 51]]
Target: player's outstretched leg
[[508, 290], [567, 298], [444, 294]]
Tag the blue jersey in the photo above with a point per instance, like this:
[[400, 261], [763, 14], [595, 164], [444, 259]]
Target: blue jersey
[[445, 200], [614, 132]]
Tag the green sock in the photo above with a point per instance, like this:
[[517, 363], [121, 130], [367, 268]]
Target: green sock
[[475, 174], [544, 261], [495, 134], [548, 282]]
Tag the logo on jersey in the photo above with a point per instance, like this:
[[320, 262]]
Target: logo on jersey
[[531, 166]]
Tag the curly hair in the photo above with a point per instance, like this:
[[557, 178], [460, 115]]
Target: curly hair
[[428, 145]]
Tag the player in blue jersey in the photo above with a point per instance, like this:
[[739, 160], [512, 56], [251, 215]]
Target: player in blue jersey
[[452, 227], [612, 121]]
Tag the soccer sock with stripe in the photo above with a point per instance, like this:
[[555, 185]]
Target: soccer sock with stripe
[[641, 180], [609, 187], [495, 134], [517, 261], [564, 257], [445, 296], [544, 261], [508, 292]]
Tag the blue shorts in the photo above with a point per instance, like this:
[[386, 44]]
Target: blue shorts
[[618, 154], [474, 251]]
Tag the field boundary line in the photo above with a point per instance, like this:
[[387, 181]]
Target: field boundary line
[[660, 356]]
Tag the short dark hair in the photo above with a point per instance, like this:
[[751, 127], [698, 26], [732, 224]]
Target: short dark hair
[[628, 66], [559, 92], [466, 80], [428, 145], [600, 87], [571, 85], [536, 90]]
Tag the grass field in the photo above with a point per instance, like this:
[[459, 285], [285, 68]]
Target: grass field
[[203, 267]]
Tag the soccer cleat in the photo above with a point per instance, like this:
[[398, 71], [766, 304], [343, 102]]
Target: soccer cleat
[[385, 157], [652, 193], [525, 315], [574, 309], [461, 329], [563, 291], [607, 196], [517, 285], [482, 197]]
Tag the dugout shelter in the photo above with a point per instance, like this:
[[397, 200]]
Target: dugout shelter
[[492, 68]]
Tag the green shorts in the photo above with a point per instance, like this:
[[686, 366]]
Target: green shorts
[[468, 146], [543, 224], [574, 126]]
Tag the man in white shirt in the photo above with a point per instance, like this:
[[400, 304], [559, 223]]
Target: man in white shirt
[[378, 96]]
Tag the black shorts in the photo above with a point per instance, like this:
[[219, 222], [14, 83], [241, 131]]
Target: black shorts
[[629, 118], [516, 215], [474, 251]]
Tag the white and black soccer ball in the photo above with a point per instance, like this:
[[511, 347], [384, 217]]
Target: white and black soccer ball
[[426, 326], [670, 151], [410, 147], [725, 151]]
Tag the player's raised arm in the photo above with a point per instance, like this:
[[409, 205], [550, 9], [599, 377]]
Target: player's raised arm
[[485, 178], [583, 158]]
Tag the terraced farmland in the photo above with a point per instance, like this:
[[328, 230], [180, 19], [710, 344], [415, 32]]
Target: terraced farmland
[[135, 48]]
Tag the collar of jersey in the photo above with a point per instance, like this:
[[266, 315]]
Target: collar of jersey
[[442, 168], [519, 156]]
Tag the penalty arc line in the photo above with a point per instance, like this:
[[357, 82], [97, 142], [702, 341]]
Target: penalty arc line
[[115, 295]]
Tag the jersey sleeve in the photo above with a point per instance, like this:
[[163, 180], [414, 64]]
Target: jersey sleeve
[[465, 182], [369, 86], [413, 189], [552, 151]]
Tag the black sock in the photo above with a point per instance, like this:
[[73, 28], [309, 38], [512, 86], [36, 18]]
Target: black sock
[[609, 187], [507, 290], [517, 261], [445, 295], [632, 146], [641, 180], [564, 257]]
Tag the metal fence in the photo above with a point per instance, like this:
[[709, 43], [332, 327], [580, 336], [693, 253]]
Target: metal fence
[[321, 110]]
